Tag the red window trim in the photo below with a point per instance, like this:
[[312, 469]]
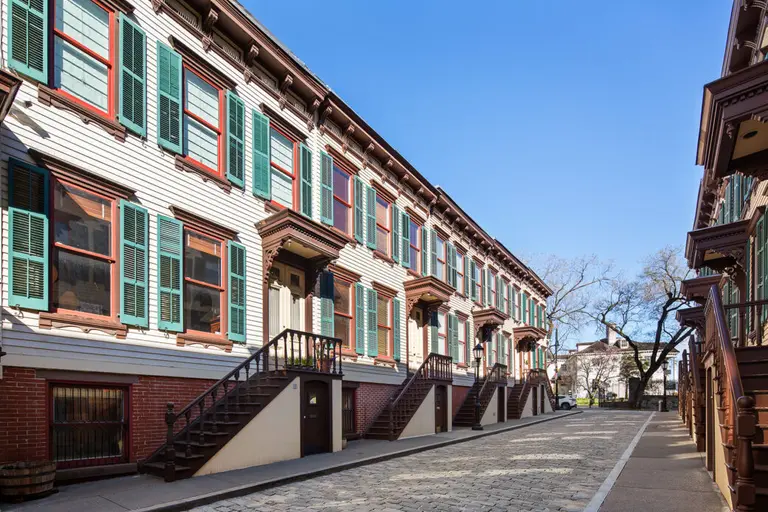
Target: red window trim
[[444, 277], [460, 272], [385, 228], [349, 316], [218, 130], [419, 227], [390, 340], [350, 194], [111, 80], [292, 174], [222, 288], [443, 333], [114, 304]]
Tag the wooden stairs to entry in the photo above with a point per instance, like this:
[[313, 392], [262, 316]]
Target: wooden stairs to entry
[[394, 417], [465, 417], [205, 425], [518, 395]]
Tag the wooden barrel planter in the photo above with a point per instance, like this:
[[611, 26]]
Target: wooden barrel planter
[[22, 480]]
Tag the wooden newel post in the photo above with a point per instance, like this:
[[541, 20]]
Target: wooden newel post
[[391, 422], [170, 452], [745, 464]]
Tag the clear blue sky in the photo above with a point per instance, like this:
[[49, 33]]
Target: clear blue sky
[[584, 113]]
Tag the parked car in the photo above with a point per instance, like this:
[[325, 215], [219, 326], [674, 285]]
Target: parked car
[[565, 402]]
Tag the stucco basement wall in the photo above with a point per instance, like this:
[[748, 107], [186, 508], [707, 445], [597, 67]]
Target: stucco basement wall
[[423, 421], [273, 435], [336, 415], [489, 416], [528, 409]]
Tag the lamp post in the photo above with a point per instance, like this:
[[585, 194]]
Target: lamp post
[[557, 374], [478, 353], [664, 399]]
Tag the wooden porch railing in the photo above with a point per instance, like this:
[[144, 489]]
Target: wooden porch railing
[[493, 377], [435, 367], [738, 409], [745, 322], [289, 350]]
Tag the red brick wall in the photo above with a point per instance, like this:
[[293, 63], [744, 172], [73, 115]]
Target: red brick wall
[[23, 421], [370, 399], [458, 395]]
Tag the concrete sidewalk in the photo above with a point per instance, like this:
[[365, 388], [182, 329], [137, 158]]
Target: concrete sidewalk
[[665, 473], [148, 493]]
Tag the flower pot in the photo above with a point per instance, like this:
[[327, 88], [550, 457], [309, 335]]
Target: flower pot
[[22, 480]]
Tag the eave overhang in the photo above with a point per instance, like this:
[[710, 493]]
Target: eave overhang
[[9, 86], [527, 336], [488, 318], [717, 247], [428, 290], [691, 317], [697, 289]]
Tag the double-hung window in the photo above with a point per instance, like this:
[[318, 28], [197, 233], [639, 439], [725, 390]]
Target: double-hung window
[[518, 304], [382, 225], [342, 200], [462, 337], [384, 326], [342, 311], [442, 333], [283, 162], [202, 122], [504, 296], [203, 289], [460, 272], [492, 285], [440, 249], [415, 243], [477, 269]]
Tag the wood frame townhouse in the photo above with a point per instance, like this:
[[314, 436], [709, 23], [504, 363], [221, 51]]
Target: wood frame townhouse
[[724, 370], [210, 261]]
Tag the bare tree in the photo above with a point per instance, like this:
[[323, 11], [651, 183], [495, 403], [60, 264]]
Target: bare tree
[[643, 310], [595, 368]]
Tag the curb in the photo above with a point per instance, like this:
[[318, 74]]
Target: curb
[[242, 490]]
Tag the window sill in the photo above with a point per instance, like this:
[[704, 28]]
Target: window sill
[[349, 238], [349, 353], [381, 256], [414, 274], [84, 323], [187, 165], [206, 340], [479, 304], [459, 294], [384, 361], [52, 97]]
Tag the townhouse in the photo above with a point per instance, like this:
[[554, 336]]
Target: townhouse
[[211, 261], [724, 379]]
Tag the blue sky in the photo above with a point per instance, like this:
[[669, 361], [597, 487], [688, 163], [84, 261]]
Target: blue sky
[[585, 114]]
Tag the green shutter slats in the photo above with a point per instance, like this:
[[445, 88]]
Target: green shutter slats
[[326, 304], [170, 239], [359, 319], [28, 38], [453, 337], [424, 251], [236, 332], [235, 139], [433, 252], [326, 188], [405, 257], [433, 337], [451, 263], [468, 342], [134, 264], [396, 328], [359, 209], [484, 286], [133, 76], [262, 178], [395, 236], [473, 280], [168, 98], [370, 215], [509, 300], [466, 275], [305, 167], [373, 322]]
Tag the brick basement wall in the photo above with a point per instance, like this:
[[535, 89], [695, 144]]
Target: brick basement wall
[[370, 400], [458, 395], [23, 422]]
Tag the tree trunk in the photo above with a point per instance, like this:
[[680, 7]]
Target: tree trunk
[[638, 398]]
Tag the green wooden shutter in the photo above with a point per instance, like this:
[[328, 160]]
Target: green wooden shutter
[[370, 225], [451, 264], [453, 336], [405, 227], [326, 191], [759, 255], [737, 197], [168, 98], [468, 342], [133, 76], [134, 264], [466, 275], [305, 159], [473, 280], [235, 139], [326, 304], [359, 319], [433, 252], [170, 242], [728, 205], [424, 251], [28, 38], [524, 308], [373, 322], [433, 337], [396, 328], [236, 332], [484, 286], [395, 235], [749, 297], [509, 300], [359, 210], [262, 178]]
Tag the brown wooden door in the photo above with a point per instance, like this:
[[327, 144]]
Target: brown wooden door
[[535, 399], [541, 403], [441, 409], [315, 426], [710, 405], [502, 402]]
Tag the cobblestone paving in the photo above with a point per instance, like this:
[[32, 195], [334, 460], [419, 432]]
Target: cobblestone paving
[[556, 466]]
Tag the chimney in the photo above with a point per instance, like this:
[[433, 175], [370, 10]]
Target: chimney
[[610, 335]]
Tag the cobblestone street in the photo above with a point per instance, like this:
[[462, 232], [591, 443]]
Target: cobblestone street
[[556, 466]]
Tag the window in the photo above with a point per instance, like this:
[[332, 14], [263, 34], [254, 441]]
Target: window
[[202, 283], [477, 270], [504, 297], [415, 257], [83, 259], [517, 303], [492, 285], [342, 312], [83, 66], [459, 272], [382, 225], [442, 333], [440, 249], [342, 201], [462, 336], [384, 325], [283, 158], [202, 130]]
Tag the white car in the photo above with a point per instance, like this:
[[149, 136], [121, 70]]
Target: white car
[[566, 402]]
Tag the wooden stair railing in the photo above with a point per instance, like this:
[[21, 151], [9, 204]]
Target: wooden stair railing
[[698, 401], [519, 392], [482, 390], [736, 411], [291, 350]]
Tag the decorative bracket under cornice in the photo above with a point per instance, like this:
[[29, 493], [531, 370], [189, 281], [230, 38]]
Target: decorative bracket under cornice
[[210, 20], [697, 289], [285, 85], [720, 247], [692, 317]]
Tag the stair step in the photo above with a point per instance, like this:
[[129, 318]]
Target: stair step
[[207, 433], [235, 413], [160, 466], [195, 444], [192, 456]]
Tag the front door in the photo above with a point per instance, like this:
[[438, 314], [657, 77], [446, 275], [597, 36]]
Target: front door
[[416, 337], [441, 409], [501, 414], [286, 299], [710, 428], [535, 399], [315, 427]]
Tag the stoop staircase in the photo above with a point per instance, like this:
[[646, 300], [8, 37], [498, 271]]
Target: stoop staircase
[[207, 423], [395, 416], [518, 396], [485, 388]]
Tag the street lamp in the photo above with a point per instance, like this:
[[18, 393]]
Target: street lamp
[[664, 399], [478, 353]]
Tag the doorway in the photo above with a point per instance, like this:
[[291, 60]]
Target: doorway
[[416, 334], [315, 426], [502, 401], [541, 398], [286, 299], [710, 429], [535, 399], [441, 409]]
